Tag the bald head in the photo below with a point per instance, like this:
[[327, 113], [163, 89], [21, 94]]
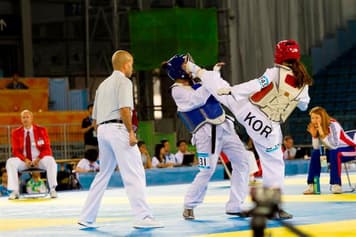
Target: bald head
[[26, 118], [26, 111], [122, 61]]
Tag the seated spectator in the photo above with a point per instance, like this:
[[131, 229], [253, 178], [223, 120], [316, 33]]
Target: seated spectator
[[30, 148], [169, 157], [66, 178], [3, 185], [89, 163], [182, 147], [159, 159], [145, 156], [36, 184], [88, 130], [15, 83], [326, 131], [289, 151]]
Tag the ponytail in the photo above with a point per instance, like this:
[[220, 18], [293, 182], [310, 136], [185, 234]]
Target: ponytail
[[300, 73]]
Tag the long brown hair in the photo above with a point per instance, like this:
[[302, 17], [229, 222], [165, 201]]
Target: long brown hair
[[157, 153], [300, 73], [325, 118]]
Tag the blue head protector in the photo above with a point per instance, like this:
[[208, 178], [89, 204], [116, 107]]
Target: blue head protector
[[174, 67]]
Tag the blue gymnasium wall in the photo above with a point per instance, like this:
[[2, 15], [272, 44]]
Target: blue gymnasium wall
[[58, 94], [332, 48], [62, 98], [78, 99]]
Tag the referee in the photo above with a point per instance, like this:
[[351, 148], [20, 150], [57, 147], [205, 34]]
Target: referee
[[112, 114]]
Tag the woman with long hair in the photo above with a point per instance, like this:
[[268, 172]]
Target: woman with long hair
[[159, 160], [326, 133]]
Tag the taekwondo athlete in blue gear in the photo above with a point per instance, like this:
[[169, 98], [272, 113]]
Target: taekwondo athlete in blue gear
[[212, 133]]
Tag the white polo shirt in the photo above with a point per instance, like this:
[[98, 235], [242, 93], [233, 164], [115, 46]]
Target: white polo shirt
[[114, 93]]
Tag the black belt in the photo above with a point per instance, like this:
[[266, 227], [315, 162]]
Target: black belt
[[213, 138], [112, 121]]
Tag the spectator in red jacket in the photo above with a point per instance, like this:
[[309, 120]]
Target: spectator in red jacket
[[30, 148]]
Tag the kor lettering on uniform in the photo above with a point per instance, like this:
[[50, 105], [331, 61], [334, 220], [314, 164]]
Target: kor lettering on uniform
[[257, 125]]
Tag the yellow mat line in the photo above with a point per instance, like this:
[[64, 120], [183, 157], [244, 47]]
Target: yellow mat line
[[30, 223]]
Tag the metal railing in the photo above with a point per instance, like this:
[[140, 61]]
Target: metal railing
[[66, 140]]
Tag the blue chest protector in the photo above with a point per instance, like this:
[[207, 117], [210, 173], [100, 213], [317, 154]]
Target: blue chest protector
[[212, 112]]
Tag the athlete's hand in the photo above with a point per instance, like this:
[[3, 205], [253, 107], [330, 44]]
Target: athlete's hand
[[132, 138], [217, 67], [189, 67]]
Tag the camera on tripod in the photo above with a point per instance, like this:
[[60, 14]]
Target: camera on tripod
[[267, 201], [267, 206]]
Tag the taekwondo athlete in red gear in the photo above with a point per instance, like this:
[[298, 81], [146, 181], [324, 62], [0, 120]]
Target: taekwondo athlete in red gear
[[211, 134], [262, 104]]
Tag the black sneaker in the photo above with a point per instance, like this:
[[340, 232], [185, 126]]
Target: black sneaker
[[242, 214], [188, 214]]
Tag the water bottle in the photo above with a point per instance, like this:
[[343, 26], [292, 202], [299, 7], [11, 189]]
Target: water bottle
[[316, 185], [323, 159]]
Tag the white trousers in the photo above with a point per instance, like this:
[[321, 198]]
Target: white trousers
[[266, 135], [252, 163], [15, 164], [228, 142], [114, 149]]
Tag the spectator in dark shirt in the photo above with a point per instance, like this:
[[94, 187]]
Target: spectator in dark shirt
[[88, 129], [15, 83]]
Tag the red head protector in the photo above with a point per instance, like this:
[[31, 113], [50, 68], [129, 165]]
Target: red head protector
[[286, 50]]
